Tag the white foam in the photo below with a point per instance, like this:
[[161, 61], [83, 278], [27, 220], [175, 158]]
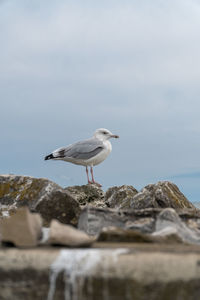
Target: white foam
[[77, 264]]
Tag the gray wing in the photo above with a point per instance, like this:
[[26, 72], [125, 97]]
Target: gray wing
[[80, 150]]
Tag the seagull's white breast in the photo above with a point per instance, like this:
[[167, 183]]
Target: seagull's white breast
[[100, 156]]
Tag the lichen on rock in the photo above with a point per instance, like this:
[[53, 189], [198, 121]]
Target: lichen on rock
[[119, 196], [40, 195], [160, 195], [87, 194]]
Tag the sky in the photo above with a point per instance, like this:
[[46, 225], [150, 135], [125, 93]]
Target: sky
[[133, 67]]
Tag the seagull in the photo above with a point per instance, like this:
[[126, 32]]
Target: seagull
[[88, 153]]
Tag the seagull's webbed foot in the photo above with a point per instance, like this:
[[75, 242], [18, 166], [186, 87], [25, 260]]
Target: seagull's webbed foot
[[91, 182], [98, 184]]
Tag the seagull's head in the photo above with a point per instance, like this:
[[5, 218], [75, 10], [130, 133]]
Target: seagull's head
[[104, 134]]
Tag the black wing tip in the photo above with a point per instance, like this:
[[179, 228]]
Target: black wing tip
[[50, 156]]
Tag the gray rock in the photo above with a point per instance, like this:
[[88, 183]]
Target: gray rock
[[40, 195], [160, 195], [168, 221], [92, 220], [87, 194], [67, 235], [119, 196], [22, 229], [145, 225]]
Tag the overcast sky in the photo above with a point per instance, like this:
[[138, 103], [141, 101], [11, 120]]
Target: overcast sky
[[69, 67]]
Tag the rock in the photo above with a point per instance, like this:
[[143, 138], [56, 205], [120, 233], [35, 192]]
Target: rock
[[193, 224], [92, 219], [23, 229], [169, 221], [67, 235], [119, 235], [162, 194], [40, 195], [119, 196], [145, 225], [87, 194]]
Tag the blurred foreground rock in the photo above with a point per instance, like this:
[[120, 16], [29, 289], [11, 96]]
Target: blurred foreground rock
[[67, 235], [23, 229], [160, 195], [164, 223]]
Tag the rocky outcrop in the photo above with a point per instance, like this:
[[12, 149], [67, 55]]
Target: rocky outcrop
[[150, 238], [160, 195], [40, 195], [89, 194]]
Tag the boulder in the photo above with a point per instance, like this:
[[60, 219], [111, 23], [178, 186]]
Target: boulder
[[40, 195], [160, 195], [87, 194], [119, 196], [169, 221], [23, 229], [60, 234]]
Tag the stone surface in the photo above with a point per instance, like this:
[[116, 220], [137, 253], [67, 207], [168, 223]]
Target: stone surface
[[119, 235], [60, 234], [146, 225], [169, 221], [137, 273], [150, 251], [92, 219], [87, 194], [23, 228], [40, 195], [119, 196], [160, 195]]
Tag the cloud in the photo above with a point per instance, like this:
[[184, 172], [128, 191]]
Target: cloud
[[68, 68]]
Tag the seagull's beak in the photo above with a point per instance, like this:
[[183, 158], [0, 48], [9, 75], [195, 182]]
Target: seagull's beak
[[114, 136]]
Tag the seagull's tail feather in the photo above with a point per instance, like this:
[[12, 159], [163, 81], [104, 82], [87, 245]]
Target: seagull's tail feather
[[50, 156]]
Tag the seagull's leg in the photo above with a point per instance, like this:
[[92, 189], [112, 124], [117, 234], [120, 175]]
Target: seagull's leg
[[93, 181], [88, 175]]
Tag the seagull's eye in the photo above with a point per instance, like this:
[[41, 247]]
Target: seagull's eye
[[104, 132]]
